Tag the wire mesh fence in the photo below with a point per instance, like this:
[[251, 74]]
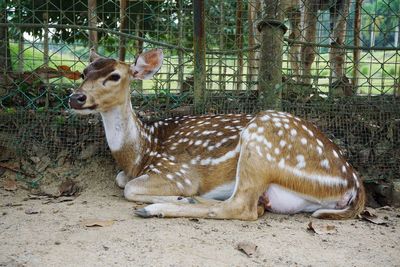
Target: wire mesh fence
[[336, 63]]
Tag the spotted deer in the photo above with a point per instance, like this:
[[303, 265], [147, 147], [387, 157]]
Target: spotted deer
[[231, 166]]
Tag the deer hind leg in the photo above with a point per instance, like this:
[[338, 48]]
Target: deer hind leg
[[157, 189], [243, 204]]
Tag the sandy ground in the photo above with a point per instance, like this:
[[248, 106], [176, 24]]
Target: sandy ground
[[46, 232]]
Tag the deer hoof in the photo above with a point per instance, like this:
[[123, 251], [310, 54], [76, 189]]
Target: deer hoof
[[143, 213], [121, 179]]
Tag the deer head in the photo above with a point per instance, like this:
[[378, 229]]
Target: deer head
[[106, 81]]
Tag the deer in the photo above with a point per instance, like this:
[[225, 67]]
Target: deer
[[217, 166]]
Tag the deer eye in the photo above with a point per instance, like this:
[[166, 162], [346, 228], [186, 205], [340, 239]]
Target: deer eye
[[114, 77], [82, 76]]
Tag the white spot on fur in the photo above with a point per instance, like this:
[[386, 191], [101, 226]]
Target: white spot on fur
[[281, 163], [335, 154], [320, 142], [325, 163], [265, 118], [344, 170], [301, 163], [258, 149], [282, 143], [180, 186], [198, 142], [303, 141]]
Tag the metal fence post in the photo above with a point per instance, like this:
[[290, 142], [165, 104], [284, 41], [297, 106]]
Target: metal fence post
[[270, 73], [199, 47]]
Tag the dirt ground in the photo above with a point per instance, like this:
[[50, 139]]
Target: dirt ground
[[44, 231]]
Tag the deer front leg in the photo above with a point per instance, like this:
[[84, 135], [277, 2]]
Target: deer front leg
[[122, 179], [243, 205], [157, 189]]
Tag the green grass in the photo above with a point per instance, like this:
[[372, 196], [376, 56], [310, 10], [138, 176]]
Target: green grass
[[376, 70]]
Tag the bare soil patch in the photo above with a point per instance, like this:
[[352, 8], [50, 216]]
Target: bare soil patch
[[95, 226]]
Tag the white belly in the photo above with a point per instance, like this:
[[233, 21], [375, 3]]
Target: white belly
[[282, 200]]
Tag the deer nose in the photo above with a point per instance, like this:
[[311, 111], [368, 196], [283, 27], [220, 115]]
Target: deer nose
[[77, 100]]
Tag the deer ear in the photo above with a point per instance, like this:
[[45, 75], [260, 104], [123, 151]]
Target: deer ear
[[147, 64], [93, 55]]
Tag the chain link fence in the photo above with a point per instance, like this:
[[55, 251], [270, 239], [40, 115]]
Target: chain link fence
[[336, 63]]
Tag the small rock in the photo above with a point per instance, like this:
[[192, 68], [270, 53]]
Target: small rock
[[31, 211], [88, 152], [35, 159]]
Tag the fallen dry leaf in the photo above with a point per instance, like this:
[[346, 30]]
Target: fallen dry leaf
[[2, 171], [369, 212], [68, 188], [369, 216], [10, 185], [247, 248], [321, 229], [97, 223]]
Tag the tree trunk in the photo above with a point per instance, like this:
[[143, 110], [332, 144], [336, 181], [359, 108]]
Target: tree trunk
[[122, 27], [92, 14], [199, 48], [5, 54], [357, 37], [270, 72], [239, 44], [181, 69], [252, 63], [222, 65]]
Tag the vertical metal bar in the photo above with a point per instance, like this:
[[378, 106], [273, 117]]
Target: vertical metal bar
[[271, 50], [93, 39], [122, 27], [199, 46]]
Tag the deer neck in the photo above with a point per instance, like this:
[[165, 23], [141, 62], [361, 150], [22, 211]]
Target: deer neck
[[124, 133]]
